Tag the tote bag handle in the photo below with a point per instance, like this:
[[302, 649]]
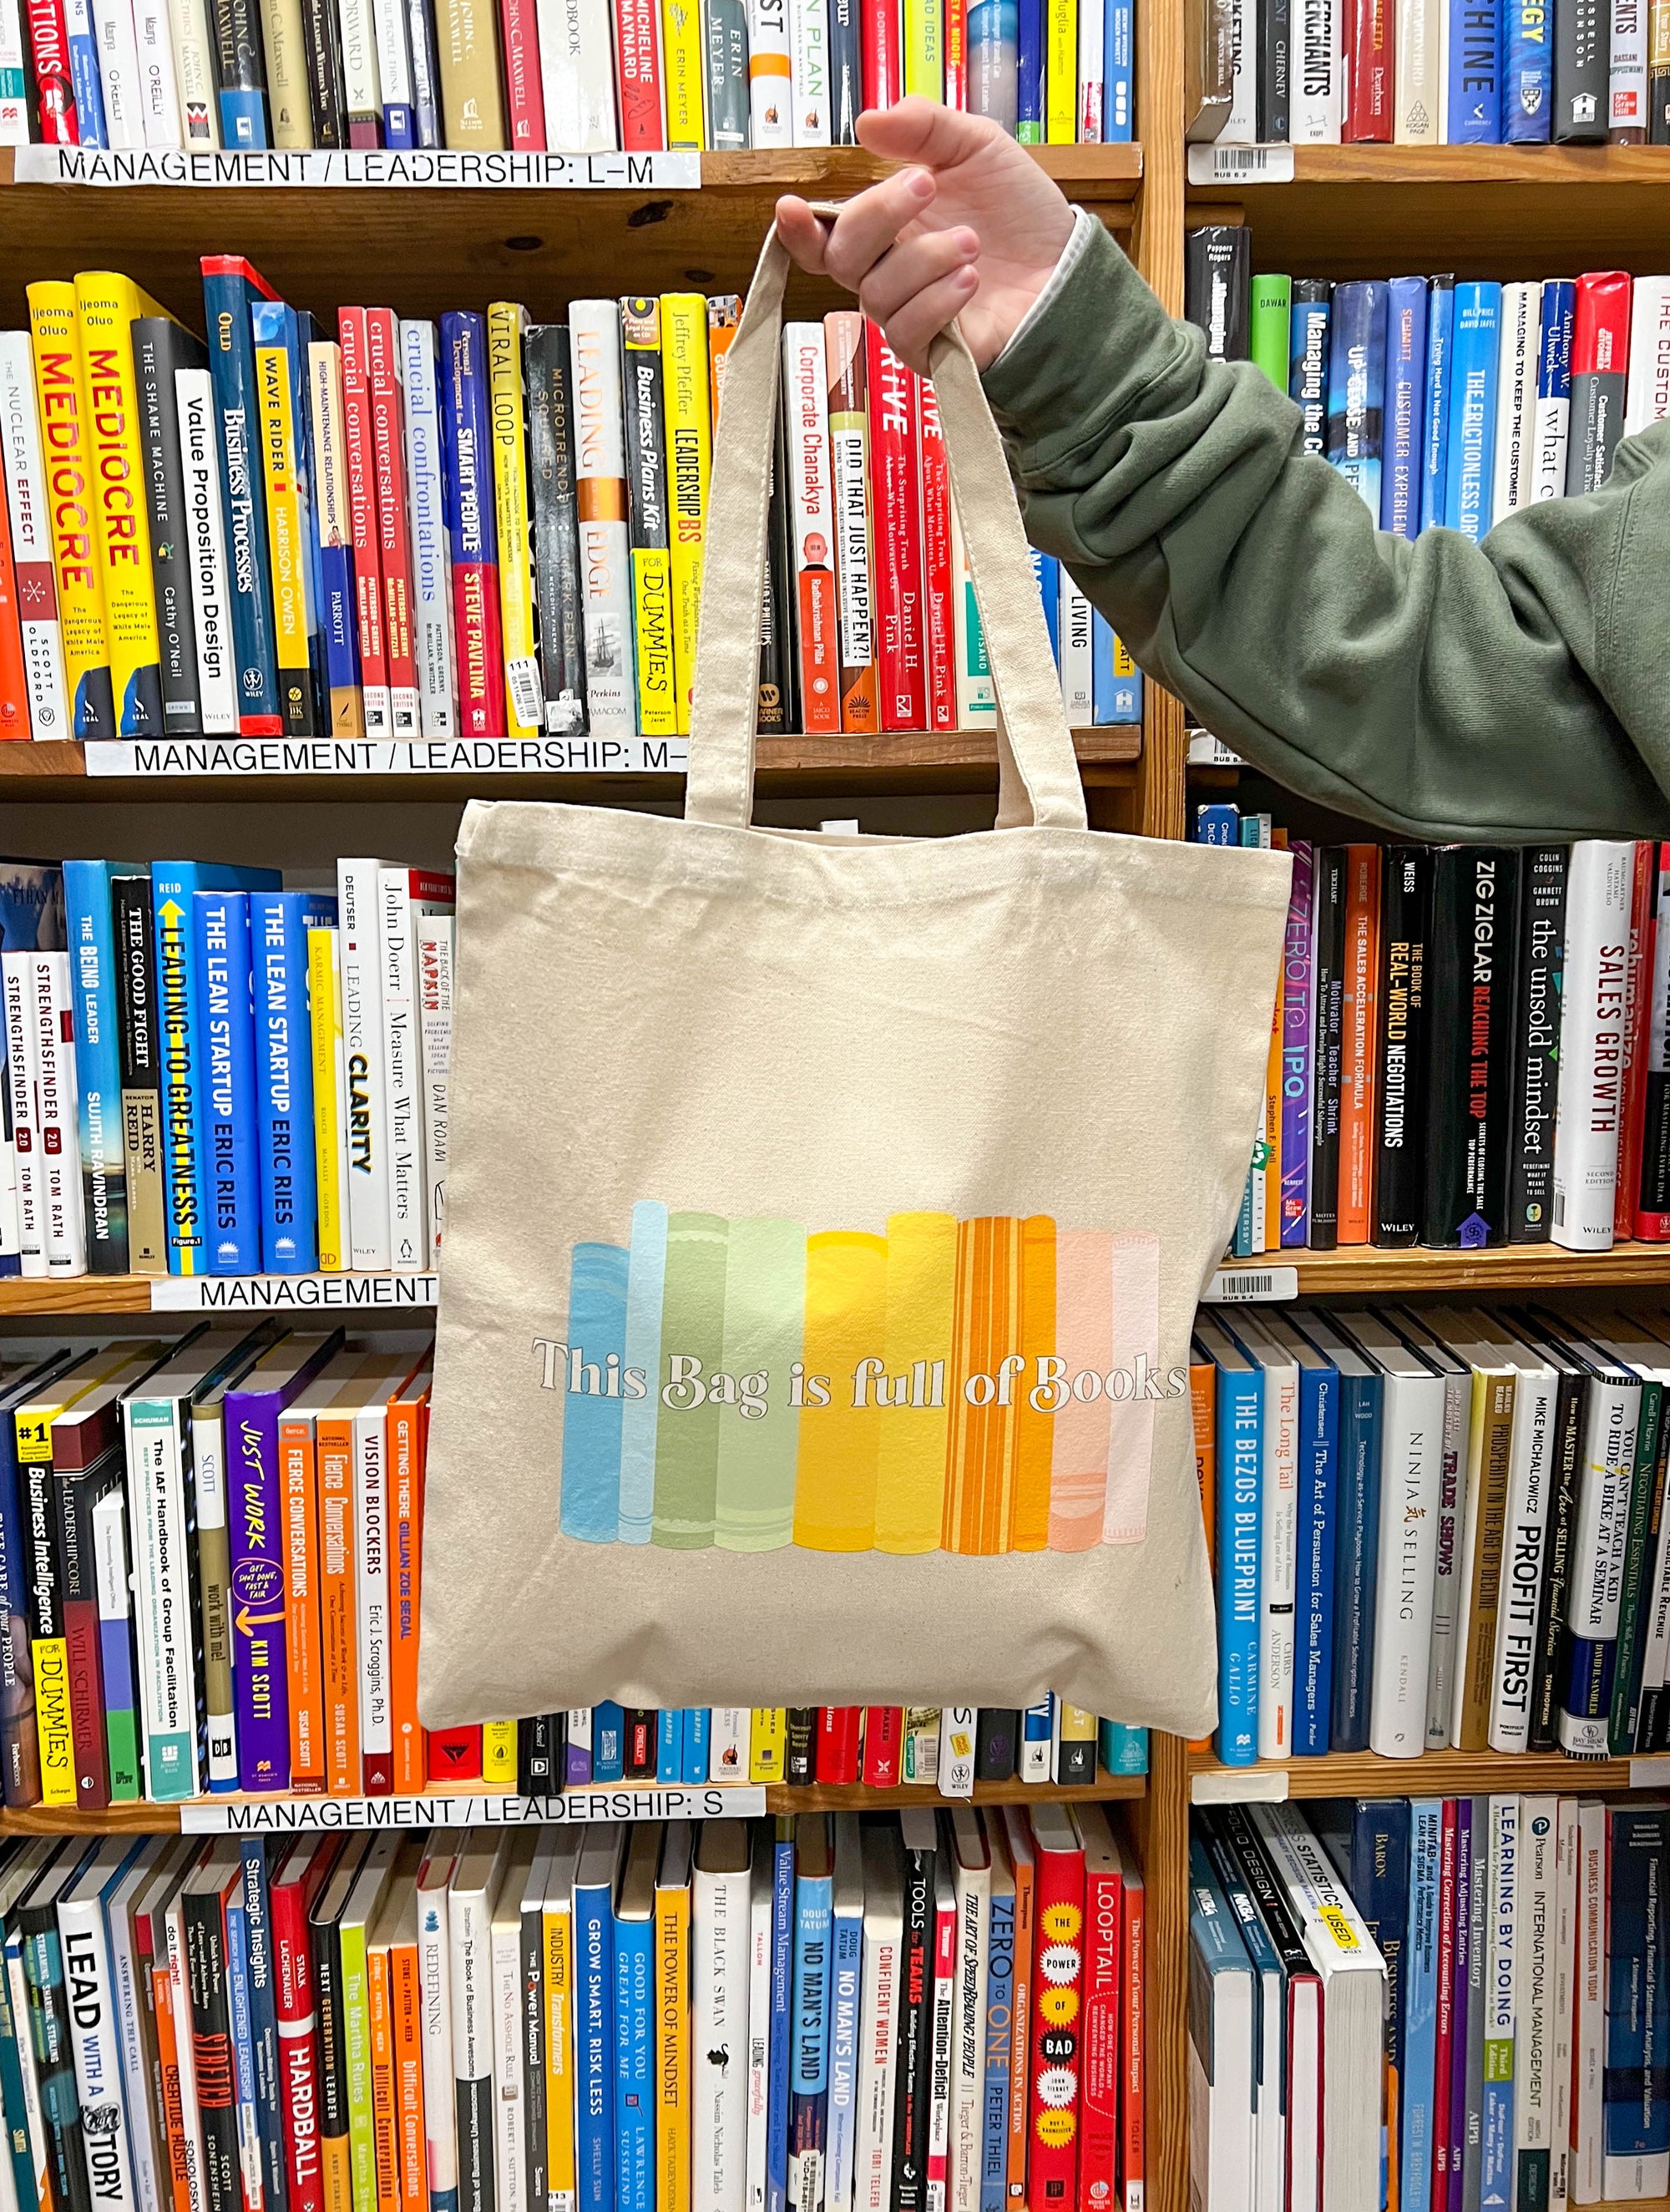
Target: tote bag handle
[[1038, 781]]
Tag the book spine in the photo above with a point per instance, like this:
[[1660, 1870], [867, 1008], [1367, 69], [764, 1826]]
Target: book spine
[[1317, 109], [330, 1078], [577, 69], [62, 399], [401, 1079], [1658, 73], [471, 528], [167, 1677], [371, 1504], [689, 440], [1240, 1427], [90, 926], [811, 506], [155, 353], [217, 681], [1473, 107], [770, 73], [387, 402], [1368, 74], [220, 950], [1527, 76], [651, 557], [359, 948], [239, 73], [1440, 335], [505, 327], [809, 30], [1360, 1016], [288, 524], [232, 370], [1626, 76], [1599, 355], [287, 74], [1593, 1599], [1405, 986], [1592, 1024], [259, 1674], [893, 445], [725, 59], [120, 1716], [1633, 1089], [558, 586], [1641, 1544], [1515, 399], [34, 577], [638, 71], [362, 519], [64, 1231], [1536, 1044], [1406, 392], [1469, 489], [55, 97], [940, 578], [601, 491]]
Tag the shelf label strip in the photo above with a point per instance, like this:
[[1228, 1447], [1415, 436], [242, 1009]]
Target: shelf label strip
[[262, 169], [283, 1816], [1239, 165], [1245, 1286], [289, 1293], [594, 756]]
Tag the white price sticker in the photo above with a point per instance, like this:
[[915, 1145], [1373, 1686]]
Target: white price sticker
[[527, 695], [1205, 750], [1249, 1286], [1240, 165]]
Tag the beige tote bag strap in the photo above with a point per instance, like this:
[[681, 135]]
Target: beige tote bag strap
[[1038, 772]]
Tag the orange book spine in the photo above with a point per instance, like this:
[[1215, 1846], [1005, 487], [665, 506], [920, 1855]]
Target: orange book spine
[[382, 2080], [406, 2021], [167, 2066], [1020, 2025], [296, 1475], [337, 1600], [407, 1425], [1360, 1045]]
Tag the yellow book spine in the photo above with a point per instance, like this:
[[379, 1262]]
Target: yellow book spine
[[683, 60], [925, 52], [648, 531], [49, 1656], [77, 559], [835, 1478], [689, 458], [325, 1020], [287, 536], [109, 306], [499, 1754], [672, 2031], [767, 1733], [559, 1931], [1061, 73], [505, 323]]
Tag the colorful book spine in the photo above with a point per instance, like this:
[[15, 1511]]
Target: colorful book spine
[[471, 532], [90, 926], [896, 534], [1356, 386], [684, 387], [1600, 362], [1405, 392], [1552, 418], [361, 479], [1440, 347], [524, 699], [386, 401], [1472, 113], [940, 576], [1472, 461], [289, 514], [645, 418], [811, 508], [337, 615], [230, 288], [1296, 1035], [594, 332], [220, 950], [60, 390]]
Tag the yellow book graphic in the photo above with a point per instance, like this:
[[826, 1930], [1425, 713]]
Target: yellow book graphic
[[324, 1019], [504, 325], [925, 51], [980, 1477], [915, 1347], [108, 307], [672, 2022], [288, 526], [682, 67], [766, 1738], [499, 1754], [834, 1490], [647, 508], [1034, 1435], [689, 452], [1061, 72], [557, 1922], [77, 552]]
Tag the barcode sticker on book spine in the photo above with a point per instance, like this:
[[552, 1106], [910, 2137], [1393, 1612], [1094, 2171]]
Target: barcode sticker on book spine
[[1240, 165], [1245, 1286], [526, 693]]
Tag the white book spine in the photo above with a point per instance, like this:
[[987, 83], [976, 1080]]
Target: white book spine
[[199, 454], [1317, 106], [1627, 75], [131, 2004], [976, 695], [1241, 125], [393, 55], [594, 339], [1592, 1038], [17, 974], [770, 73], [1530, 1478], [759, 2030], [1515, 397], [118, 72], [1446, 1575], [432, 594], [191, 2117], [31, 543], [361, 78], [194, 73], [719, 1976], [400, 1057], [469, 1922], [61, 1230], [1563, 2001], [1092, 15], [208, 1491], [1418, 72], [956, 1750], [846, 1991], [974, 1913], [359, 950], [1649, 395], [167, 1703], [97, 2046], [1551, 419], [17, 64], [1588, 2072], [1279, 1566], [1411, 1483], [434, 998], [17, 1989], [728, 1743], [806, 412], [577, 69], [371, 1516], [287, 74], [435, 2023], [878, 2030], [158, 99], [510, 2155], [1078, 695], [809, 67]]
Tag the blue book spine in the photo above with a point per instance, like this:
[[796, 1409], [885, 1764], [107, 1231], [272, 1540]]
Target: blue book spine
[[305, 336], [1047, 574], [1357, 1545], [1217, 824], [221, 935], [1473, 106], [243, 117], [1405, 406], [1439, 334], [229, 286], [697, 1740], [263, 2022], [777, 2059], [1318, 1461], [1121, 1749], [1118, 29], [1029, 72], [608, 1743], [1036, 1728], [594, 2046], [1379, 1840], [243, 2042], [1240, 1488], [1115, 679], [85, 73], [1356, 386], [1527, 98], [669, 1745], [1477, 345], [1420, 2010], [809, 2038], [278, 926], [98, 1062], [845, 1999], [1553, 414], [998, 2020], [1308, 368], [634, 2072]]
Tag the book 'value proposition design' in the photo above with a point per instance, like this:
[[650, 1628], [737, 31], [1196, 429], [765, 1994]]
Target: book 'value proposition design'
[[976, 1387]]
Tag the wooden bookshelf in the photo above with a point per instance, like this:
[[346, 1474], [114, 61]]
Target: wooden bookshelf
[[1367, 1270], [1434, 1774]]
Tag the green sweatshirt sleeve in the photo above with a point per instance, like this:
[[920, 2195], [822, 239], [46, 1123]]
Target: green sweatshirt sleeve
[[1514, 690]]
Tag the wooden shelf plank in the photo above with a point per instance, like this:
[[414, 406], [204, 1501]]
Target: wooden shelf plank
[[1436, 1774], [1367, 1269]]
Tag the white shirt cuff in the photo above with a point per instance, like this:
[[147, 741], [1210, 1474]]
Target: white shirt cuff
[[1083, 223]]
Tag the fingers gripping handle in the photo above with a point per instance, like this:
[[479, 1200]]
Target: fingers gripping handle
[[1038, 772]]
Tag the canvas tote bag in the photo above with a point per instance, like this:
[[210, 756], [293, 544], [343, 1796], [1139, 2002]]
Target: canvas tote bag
[[826, 1217]]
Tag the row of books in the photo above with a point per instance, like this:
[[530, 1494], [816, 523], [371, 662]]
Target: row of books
[[1518, 1944], [1432, 1531], [1447, 403], [690, 2016], [164, 1631], [1467, 1046], [1444, 72], [484, 529], [577, 76]]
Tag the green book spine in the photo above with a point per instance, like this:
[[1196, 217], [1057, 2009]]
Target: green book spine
[[765, 1290], [1646, 1505], [1273, 305], [356, 2042], [692, 1340]]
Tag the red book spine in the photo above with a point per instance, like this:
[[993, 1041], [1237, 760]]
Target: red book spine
[[14, 675], [883, 1732], [957, 53], [895, 506], [938, 603], [297, 2038], [1052, 2121], [1132, 2145], [1368, 74], [838, 1743], [882, 61], [1444, 2030], [87, 1700], [1104, 1939], [638, 73], [1652, 1193], [524, 91], [1636, 1002], [388, 458], [363, 520], [455, 1755], [49, 42]]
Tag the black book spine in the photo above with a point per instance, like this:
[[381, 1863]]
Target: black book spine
[[1217, 287], [913, 2080], [211, 2049], [1406, 918], [1536, 1069], [425, 72], [557, 585], [778, 708], [534, 1769], [997, 1731], [332, 2063], [533, 2055], [846, 72], [1328, 996], [638, 1764], [1583, 63], [1569, 1408], [1275, 47], [240, 66], [800, 1746], [137, 1046], [1308, 376], [327, 88], [55, 2059], [1658, 73], [1075, 1762], [1474, 912], [159, 347]]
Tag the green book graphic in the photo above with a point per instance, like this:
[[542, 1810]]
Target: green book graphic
[[692, 1350], [765, 1293]]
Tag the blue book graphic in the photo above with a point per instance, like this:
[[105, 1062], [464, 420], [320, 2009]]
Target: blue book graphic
[[1118, 28], [808, 2028], [1356, 386], [1405, 406], [1318, 1463], [220, 931], [669, 1745], [783, 1987], [996, 2019], [1420, 2009], [1030, 71], [278, 926], [634, 2067], [1116, 691], [1477, 350], [1527, 102], [230, 288], [1636, 2113], [1308, 368], [1121, 1749], [1440, 333], [594, 2018], [646, 1276], [264, 2021], [591, 1422], [1240, 1399], [97, 1058], [608, 1742], [1473, 104]]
